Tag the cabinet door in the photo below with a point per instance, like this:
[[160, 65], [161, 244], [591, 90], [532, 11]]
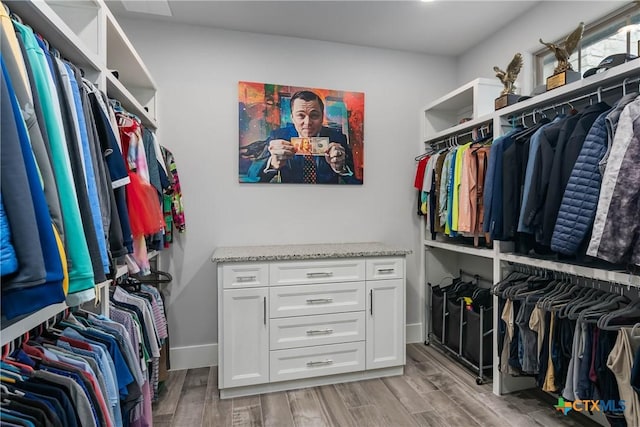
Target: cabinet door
[[245, 338], [385, 323]]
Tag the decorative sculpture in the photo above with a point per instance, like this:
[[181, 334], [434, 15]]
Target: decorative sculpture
[[509, 77], [563, 53]]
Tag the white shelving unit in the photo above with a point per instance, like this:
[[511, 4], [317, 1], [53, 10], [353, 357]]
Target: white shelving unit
[[443, 258], [134, 82], [86, 33], [461, 249], [63, 33], [471, 101]]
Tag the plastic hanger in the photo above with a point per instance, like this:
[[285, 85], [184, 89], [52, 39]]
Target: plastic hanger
[[585, 300], [558, 288], [629, 311], [599, 299], [600, 309]]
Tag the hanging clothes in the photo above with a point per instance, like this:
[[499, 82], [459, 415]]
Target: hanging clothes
[[81, 280], [20, 296], [177, 205], [616, 230]]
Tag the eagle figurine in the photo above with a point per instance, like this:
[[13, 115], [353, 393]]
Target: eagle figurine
[[509, 77], [563, 53]]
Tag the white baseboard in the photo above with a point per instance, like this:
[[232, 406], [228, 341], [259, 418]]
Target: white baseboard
[[414, 333], [194, 356]]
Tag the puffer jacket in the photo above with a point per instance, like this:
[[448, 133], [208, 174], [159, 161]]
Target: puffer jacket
[[616, 228], [580, 199], [8, 259]]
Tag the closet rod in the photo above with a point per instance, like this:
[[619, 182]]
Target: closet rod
[[485, 127], [538, 271], [599, 90]]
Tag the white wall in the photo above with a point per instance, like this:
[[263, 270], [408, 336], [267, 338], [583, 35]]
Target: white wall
[[197, 71], [549, 20]]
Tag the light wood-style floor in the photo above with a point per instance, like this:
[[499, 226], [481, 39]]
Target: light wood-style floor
[[434, 391]]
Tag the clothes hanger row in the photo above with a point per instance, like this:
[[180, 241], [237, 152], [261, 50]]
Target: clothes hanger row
[[479, 134], [565, 294], [594, 96]]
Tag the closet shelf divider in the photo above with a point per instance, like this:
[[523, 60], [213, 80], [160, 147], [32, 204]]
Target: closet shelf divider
[[24, 324], [116, 90], [463, 249], [613, 276]]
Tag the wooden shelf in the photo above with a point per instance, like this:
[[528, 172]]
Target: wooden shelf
[[472, 100], [461, 128], [40, 16], [461, 249], [121, 271], [122, 56], [613, 276], [116, 90], [629, 69], [25, 324]]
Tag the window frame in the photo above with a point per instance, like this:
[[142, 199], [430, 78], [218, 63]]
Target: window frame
[[622, 17]]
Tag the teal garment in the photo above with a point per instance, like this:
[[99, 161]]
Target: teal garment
[[79, 262], [87, 161]]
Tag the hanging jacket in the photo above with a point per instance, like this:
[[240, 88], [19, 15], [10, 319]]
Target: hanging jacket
[[616, 228], [565, 158], [81, 284], [8, 260], [177, 208], [612, 125], [580, 199]]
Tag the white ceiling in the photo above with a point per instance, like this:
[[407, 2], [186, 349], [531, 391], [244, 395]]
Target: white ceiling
[[444, 27]]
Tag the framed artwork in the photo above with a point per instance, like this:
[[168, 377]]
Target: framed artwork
[[300, 135]]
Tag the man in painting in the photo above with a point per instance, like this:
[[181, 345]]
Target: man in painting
[[279, 162]]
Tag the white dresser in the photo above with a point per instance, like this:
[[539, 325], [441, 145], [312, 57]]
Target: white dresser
[[305, 315]]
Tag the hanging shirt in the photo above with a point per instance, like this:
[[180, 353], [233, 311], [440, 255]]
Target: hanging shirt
[[457, 179], [80, 270]]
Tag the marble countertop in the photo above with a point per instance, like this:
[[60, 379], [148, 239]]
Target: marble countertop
[[315, 251]]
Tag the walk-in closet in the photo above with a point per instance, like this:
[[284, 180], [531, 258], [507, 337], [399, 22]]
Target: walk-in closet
[[319, 213]]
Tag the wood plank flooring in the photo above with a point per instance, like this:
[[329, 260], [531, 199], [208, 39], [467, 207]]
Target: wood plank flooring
[[434, 391]]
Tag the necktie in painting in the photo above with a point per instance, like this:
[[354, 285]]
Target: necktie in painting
[[309, 170]]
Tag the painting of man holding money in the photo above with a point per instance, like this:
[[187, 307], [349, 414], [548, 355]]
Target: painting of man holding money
[[306, 149]]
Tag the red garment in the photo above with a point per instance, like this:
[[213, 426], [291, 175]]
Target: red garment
[[145, 212], [420, 170], [145, 215]]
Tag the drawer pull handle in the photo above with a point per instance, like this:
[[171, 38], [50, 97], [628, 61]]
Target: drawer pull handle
[[319, 331], [241, 279], [319, 300], [386, 270], [320, 363], [319, 274]]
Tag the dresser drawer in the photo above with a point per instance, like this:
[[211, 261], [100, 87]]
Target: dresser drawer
[[302, 331], [241, 275], [385, 268], [316, 271], [316, 361], [303, 300]]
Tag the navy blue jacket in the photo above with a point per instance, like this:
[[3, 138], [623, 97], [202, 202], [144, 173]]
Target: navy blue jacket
[[293, 171], [580, 200]]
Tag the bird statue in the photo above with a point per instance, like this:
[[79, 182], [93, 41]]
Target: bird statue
[[563, 53], [509, 77]]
